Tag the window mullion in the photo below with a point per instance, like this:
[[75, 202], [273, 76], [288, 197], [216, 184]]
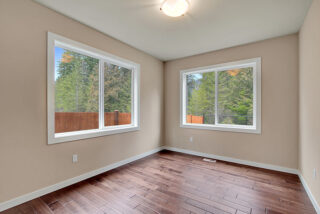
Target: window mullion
[[216, 121], [133, 98], [184, 98], [254, 96], [101, 94]]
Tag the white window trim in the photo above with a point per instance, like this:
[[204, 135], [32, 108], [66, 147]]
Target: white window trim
[[256, 127], [57, 40]]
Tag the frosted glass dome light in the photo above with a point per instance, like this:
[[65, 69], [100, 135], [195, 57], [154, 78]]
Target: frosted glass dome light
[[175, 8]]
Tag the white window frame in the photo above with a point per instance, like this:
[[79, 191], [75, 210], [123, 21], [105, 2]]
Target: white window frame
[[60, 41], [256, 127]]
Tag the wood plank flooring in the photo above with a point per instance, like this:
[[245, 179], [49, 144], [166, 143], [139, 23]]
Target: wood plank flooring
[[170, 182]]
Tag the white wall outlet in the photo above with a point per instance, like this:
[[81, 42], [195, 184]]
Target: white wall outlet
[[314, 173], [191, 139], [74, 158]]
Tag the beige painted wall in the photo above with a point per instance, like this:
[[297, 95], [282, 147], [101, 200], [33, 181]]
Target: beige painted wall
[[27, 163], [309, 147], [278, 142]]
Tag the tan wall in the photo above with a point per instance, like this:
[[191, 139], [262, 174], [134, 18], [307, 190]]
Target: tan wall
[[278, 143], [27, 163], [309, 149]]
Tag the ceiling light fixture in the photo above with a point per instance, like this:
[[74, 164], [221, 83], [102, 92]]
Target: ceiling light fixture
[[175, 8]]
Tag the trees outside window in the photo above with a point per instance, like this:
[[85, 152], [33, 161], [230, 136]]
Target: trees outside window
[[222, 97], [90, 92]]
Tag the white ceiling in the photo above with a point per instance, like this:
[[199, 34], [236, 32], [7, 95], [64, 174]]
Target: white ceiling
[[209, 24]]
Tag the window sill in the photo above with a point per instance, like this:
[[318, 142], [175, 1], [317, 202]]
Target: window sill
[[220, 127], [78, 135]]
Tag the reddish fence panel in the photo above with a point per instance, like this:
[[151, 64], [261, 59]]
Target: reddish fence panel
[[194, 119], [76, 121], [124, 118], [111, 120]]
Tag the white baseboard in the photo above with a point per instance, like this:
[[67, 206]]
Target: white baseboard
[[27, 197], [251, 163], [234, 160], [312, 198], [38, 193]]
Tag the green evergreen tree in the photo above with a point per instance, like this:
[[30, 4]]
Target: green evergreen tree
[[117, 88], [201, 98], [77, 85], [235, 96]]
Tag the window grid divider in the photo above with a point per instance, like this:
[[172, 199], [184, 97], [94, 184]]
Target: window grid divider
[[132, 95], [216, 119], [101, 94]]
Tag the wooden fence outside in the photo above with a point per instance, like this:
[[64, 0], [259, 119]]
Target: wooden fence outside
[[76, 121], [194, 119]]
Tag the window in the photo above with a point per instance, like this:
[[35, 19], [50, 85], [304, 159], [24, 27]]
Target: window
[[222, 97], [90, 93]]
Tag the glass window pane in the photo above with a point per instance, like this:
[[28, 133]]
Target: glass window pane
[[201, 98], [76, 91], [117, 95], [235, 96]]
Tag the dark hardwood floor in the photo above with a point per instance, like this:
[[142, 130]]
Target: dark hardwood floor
[[170, 182]]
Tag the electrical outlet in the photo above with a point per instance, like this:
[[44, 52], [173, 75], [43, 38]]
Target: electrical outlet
[[191, 139], [74, 158], [314, 173]]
